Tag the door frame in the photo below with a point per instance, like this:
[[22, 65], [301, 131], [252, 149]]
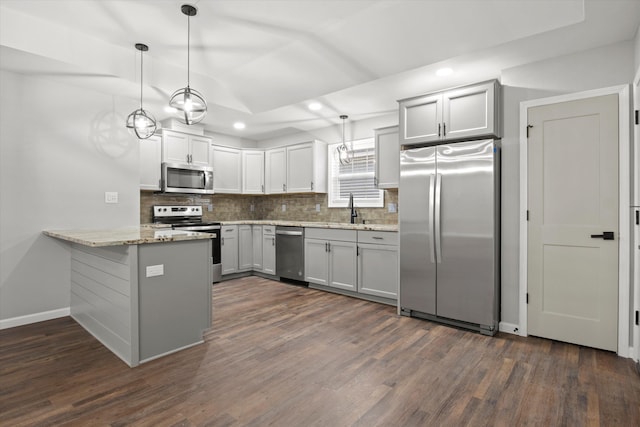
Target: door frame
[[624, 182]]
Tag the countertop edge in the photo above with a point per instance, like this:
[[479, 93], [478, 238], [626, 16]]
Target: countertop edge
[[310, 224], [123, 236]]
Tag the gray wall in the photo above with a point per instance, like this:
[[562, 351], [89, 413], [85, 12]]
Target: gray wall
[[61, 148]]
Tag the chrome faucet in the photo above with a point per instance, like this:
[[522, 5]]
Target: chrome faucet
[[354, 213]]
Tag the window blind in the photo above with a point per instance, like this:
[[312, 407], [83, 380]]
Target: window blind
[[357, 177]]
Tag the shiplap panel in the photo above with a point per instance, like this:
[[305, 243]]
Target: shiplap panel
[[104, 312], [116, 344], [118, 268], [106, 279]]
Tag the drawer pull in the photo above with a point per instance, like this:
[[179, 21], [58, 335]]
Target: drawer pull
[[378, 238]]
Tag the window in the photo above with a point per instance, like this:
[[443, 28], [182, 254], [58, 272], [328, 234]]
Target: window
[[357, 177]]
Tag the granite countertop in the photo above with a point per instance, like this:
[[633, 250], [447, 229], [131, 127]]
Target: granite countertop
[[339, 225], [125, 236]]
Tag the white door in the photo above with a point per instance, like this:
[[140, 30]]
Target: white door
[[175, 147], [269, 253], [299, 168], [229, 249], [378, 270], [342, 265], [252, 172], [245, 247], [227, 170], [316, 264], [199, 148], [257, 247], [572, 196], [635, 214], [275, 170]]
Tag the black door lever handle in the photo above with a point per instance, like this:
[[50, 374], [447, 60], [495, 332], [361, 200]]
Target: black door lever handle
[[606, 235]]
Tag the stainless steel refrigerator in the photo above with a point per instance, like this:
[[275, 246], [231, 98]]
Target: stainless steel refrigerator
[[449, 215]]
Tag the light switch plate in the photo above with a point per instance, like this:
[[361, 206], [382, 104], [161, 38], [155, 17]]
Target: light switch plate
[[155, 270], [392, 207], [252, 207], [317, 207], [284, 207], [111, 197], [210, 207]]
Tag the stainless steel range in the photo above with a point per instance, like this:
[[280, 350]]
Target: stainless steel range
[[189, 218]]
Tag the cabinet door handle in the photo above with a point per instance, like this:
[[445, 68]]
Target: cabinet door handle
[[326, 246], [222, 240], [329, 247], [262, 188], [273, 241], [375, 181], [283, 187], [444, 129], [606, 235], [357, 250], [378, 238], [312, 185], [438, 130]]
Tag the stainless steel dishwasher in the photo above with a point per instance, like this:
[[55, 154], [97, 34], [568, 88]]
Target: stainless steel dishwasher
[[290, 252]]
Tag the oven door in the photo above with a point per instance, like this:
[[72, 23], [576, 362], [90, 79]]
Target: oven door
[[216, 249]]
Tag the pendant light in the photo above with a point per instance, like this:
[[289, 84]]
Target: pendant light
[[344, 155], [141, 122], [188, 103]]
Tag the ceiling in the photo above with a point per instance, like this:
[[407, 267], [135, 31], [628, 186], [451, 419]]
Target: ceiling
[[263, 61]]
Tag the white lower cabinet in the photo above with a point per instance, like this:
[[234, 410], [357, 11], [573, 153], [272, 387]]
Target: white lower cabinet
[[269, 249], [256, 234], [378, 263], [330, 258], [229, 249], [245, 248]]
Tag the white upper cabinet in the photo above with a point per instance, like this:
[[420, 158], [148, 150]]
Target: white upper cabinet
[[299, 168], [150, 159], [252, 172], [275, 170], [387, 149], [200, 147], [184, 148], [227, 170], [462, 113]]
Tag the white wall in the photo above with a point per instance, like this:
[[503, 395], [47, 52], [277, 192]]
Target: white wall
[[592, 69], [61, 148]]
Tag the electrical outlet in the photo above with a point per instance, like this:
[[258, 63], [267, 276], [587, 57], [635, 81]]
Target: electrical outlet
[[210, 207], [391, 207], [155, 270], [317, 207], [111, 197], [252, 207], [284, 207]]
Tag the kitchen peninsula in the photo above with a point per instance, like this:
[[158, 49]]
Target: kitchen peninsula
[[143, 292]]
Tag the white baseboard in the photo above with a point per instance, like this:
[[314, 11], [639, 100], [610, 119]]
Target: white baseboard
[[510, 328], [33, 318]]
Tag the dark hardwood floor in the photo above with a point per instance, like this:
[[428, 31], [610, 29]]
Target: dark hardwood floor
[[284, 355]]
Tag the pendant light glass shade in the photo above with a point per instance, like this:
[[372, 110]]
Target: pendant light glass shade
[[343, 152], [141, 122], [189, 104]]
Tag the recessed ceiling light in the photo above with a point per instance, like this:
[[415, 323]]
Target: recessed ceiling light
[[444, 72], [239, 125], [315, 106]]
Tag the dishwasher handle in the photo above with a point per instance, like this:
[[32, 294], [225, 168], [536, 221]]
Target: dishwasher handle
[[289, 233]]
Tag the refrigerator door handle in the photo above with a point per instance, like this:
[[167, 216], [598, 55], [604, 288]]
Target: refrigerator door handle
[[432, 187], [438, 218]]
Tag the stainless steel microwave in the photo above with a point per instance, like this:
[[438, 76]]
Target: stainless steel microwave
[[183, 178]]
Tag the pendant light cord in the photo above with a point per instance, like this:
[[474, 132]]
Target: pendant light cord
[[141, 76], [188, 47]]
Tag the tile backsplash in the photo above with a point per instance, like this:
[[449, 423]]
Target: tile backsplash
[[297, 207]]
